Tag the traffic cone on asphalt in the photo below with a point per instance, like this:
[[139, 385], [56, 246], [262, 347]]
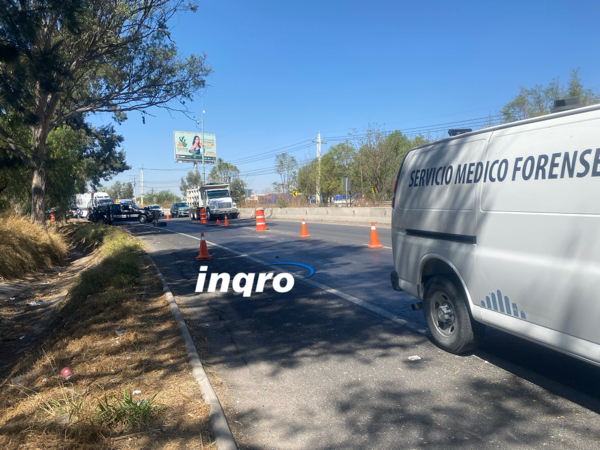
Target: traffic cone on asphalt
[[260, 220], [203, 252], [202, 215], [226, 224], [217, 222], [168, 217], [303, 231], [374, 239]]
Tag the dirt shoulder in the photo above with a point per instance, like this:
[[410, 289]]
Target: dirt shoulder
[[104, 316]]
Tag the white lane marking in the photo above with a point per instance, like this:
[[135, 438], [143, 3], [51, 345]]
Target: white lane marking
[[357, 301]]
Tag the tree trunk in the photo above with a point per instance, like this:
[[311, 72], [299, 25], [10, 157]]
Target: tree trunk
[[38, 163], [38, 193]]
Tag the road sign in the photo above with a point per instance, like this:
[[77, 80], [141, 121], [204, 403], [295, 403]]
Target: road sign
[[346, 184], [294, 193]]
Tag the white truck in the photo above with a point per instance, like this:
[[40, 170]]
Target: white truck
[[500, 227], [215, 198], [85, 202]]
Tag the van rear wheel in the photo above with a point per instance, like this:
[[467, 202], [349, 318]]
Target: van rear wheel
[[448, 318]]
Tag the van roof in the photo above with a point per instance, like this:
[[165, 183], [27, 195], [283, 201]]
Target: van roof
[[517, 123]]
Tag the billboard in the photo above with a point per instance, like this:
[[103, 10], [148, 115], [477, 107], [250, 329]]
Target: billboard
[[188, 145]]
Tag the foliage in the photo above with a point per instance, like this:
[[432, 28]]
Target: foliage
[[238, 189], [125, 411], [286, 167], [223, 172], [538, 101], [62, 60], [282, 202], [378, 159], [193, 179], [75, 154], [165, 196], [120, 190], [335, 164], [371, 164], [307, 178]]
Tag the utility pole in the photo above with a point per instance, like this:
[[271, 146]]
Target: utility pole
[[142, 185], [319, 142], [134, 196], [203, 150]]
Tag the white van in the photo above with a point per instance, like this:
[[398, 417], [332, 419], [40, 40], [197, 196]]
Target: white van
[[501, 227]]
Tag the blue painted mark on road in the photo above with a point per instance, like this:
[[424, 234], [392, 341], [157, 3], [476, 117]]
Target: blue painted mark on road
[[306, 266]]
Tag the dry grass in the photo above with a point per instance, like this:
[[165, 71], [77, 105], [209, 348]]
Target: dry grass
[[99, 407], [26, 247]]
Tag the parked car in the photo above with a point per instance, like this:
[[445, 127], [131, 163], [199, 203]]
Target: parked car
[[179, 209], [155, 208]]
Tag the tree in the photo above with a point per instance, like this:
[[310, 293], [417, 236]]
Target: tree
[[114, 192], [60, 59], [307, 178], [287, 168], [538, 100], [75, 155], [164, 197], [238, 189], [223, 172], [127, 191], [378, 159], [192, 180], [335, 164]]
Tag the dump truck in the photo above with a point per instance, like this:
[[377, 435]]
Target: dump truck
[[215, 198]]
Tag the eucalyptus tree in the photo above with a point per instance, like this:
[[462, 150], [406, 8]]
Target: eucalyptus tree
[[63, 58]]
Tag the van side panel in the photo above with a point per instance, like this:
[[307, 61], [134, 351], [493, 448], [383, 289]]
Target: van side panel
[[538, 256], [435, 208]]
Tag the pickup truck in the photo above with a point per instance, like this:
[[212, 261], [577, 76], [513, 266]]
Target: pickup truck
[[112, 212]]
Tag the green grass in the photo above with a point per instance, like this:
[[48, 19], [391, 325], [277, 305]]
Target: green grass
[[126, 411]]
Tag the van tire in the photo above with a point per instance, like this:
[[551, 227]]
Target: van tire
[[448, 317]]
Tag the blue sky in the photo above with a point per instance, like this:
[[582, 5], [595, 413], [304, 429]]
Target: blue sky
[[286, 70]]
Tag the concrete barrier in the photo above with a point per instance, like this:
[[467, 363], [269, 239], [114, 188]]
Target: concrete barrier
[[381, 215]]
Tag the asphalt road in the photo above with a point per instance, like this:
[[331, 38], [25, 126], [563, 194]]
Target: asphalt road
[[312, 368]]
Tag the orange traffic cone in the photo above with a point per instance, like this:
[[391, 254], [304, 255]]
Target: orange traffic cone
[[303, 232], [217, 222], [374, 239], [260, 220], [168, 217], [203, 252], [226, 224]]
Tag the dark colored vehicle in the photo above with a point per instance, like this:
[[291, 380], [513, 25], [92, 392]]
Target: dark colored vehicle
[[180, 209], [153, 208], [112, 212]]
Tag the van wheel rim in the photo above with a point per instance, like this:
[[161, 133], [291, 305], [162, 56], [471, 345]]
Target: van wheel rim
[[443, 314]]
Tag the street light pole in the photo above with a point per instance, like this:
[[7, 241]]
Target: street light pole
[[203, 150], [319, 142]]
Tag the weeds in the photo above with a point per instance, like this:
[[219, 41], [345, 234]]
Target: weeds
[[71, 407], [126, 411], [26, 247]]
